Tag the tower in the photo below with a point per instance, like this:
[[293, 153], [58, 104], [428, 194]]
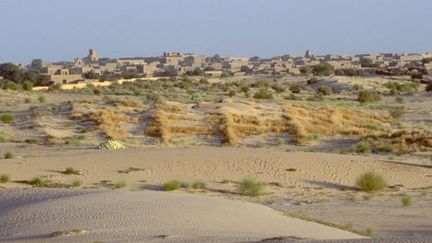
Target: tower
[[308, 54], [92, 56]]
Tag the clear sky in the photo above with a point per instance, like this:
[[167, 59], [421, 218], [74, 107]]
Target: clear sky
[[63, 29]]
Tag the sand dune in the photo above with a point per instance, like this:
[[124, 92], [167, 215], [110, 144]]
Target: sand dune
[[33, 214]]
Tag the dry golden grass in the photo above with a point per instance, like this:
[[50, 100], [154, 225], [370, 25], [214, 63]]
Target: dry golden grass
[[236, 123]]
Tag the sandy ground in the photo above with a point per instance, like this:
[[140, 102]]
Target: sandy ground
[[31, 215], [317, 186]]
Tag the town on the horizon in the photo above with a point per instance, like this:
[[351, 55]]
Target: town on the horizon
[[171, 64]]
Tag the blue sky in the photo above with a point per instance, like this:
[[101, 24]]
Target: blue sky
[[61, 30]]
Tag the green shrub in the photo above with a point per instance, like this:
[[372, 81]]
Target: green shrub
[[7, 118], [369, 231], [371, 182], [231, 93], [251, 187], [97, 91], [38, 182], [278, 88], [323, 69], [324, 90], [71, 171], [361, 147], [27, 85], [263, 94], [401, 87], [76, 183], [172, 185], [41, 99], [406, 200], [10, 85], [368, 96], [8, 155], [4, 178], [120, 184], [198, 185], [296, 88]]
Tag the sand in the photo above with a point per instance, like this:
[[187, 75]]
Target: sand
[[317, 185], [110, 216]]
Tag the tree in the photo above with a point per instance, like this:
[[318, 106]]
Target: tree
[[323, 69], [91, 75], [36, 64], [11, 71]]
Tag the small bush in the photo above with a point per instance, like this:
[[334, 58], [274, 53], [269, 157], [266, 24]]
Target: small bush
[[8, 155], [278, 88], [251, 187], [371, 182], [397, 111], [198, 185], [172, 185], [296, 88], [4, 178], [41, 99], [369, 231], [231, 93], [10, 85], [7, 118], [361, 147], [27, 100], [406, 200], [97, 91], [27, 86], [71, 171], [324, 90], [120, 184], [38, 182], [76, 183], [263, 94], [368, 96]]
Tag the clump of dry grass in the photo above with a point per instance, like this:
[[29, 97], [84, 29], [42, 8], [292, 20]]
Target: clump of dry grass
[[371, 182]]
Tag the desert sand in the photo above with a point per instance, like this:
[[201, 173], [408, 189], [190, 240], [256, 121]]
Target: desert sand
[[317, 185], [32, 215], [308, 149]]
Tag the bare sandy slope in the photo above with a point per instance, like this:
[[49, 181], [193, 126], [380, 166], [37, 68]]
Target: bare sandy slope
[[317, 185], [31, 215], [212, 165]]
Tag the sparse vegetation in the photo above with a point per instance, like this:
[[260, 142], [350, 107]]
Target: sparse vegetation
[[76, 183], [369, 231], [198, 185], [120, 184], [263, 94], [251, 187], [324, 90], [406, 200], [368, 96], [371, 182], [172, 185], [38, 182], [8, 155], [397, 111], [71, 171], [41, 99], [7, 118], [4, 178]]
